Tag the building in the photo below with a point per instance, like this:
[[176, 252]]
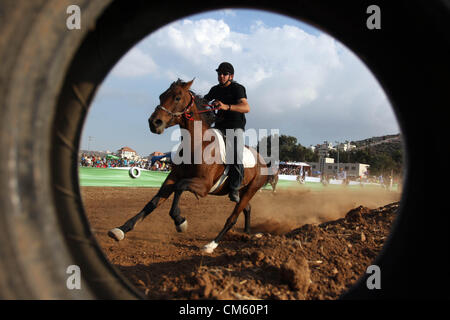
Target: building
[[127, 153], [326, 146], [354, 170], [345, 146], [323, 149]]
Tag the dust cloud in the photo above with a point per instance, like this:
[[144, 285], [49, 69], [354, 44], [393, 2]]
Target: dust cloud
[[285, 210]]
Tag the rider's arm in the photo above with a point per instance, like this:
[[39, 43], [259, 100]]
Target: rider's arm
[[242, 106]]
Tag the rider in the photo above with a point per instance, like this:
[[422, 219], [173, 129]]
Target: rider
[[231, 98]]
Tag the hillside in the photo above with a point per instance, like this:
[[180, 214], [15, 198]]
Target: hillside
[[384, 154], [394, 140]]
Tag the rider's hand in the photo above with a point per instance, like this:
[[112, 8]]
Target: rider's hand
[[222, 106]]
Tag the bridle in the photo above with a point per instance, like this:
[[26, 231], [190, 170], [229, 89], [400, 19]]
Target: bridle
[[188, 115], [178, 114]]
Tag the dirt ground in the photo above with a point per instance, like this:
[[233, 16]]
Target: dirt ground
[[303, 244]]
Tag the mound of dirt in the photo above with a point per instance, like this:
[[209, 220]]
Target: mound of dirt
[[315, 261]]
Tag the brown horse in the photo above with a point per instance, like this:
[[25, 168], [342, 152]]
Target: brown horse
[[273, 180], [179, 106]]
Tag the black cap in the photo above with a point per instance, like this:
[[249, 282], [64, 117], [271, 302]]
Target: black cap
[[225, 67]]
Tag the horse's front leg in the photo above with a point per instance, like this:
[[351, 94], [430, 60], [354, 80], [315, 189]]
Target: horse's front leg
[[231, 221], [180, 222], [198, 186], [164, 192]]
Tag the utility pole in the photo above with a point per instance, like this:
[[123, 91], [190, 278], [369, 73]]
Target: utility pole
[[89, 142], [323, 152], [337, 147]]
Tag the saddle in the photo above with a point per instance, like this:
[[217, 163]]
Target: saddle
[[248, 159], [248, 156]]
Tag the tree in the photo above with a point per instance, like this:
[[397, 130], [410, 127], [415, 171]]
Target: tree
[[290, 149]]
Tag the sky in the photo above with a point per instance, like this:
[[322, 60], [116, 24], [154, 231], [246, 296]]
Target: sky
[[298, 80]]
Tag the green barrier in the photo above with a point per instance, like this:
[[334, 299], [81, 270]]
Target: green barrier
[[102, 177]]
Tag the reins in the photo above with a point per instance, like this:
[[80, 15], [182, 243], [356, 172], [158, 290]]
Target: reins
[[188, 114]]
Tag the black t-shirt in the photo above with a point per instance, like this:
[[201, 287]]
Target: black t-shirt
[[228, 95]]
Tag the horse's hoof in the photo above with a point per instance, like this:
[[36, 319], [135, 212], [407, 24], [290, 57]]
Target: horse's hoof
[[182, 227], [209, 248], [116, 234]]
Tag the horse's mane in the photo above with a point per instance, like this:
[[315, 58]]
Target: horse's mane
[[207, 117]]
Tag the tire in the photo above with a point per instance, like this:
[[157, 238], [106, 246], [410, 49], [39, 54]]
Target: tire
[[134, 172], [49, 76]]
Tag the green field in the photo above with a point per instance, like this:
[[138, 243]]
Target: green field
[[100, 177], [287, 184]]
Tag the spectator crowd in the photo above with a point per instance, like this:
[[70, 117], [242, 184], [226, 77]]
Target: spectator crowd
[[289, 170], [104, 162], [292, 170]]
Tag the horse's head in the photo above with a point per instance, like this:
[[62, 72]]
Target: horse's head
[[173, 104]]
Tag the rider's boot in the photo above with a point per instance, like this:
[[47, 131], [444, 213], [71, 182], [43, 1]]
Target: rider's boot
[[235, 176]]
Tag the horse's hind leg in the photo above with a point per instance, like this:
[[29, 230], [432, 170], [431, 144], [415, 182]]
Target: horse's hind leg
[[247, 211], [164, 192]]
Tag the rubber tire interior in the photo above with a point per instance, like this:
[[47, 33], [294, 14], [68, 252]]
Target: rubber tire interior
[[49, 76]]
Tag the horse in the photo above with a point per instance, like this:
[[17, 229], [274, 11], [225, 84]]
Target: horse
[[181, 106], [300, 179], [273, 180]]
